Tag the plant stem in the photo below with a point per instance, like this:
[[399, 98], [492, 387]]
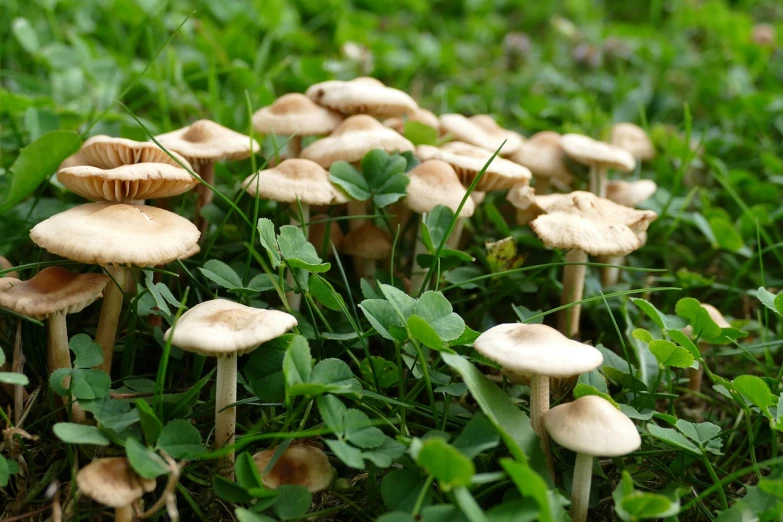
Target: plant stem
[[422, 495], [573, 290], [59, 356], [225, 412], [295, 146], [418, 273], [580, 488], [106, 333], [715, 480], [18, 367]]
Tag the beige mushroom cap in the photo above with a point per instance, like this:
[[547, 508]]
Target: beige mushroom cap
[[116, 234], [433, 183], [5, 264], [536, 349], [362, 96], [633, 139], [354, 138], [367, 242], [420, 115], [205, 141], [545, 158], [588, 151], [468, 161], [105, 152], [51, 290], [591, 425], [481, 131], [491, 127], [220, 327], [630, 193], [112, 482], [299, 465], [295, 113], [292, 179]]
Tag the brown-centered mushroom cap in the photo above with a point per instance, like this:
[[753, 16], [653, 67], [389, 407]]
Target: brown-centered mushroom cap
[[434, 182], [481, 131], [292, 179], [588, 151], [630, 193], [220, 327], [544, 156], [205, 141], [299, 465], [633, 139], [362, 96], [112, 482], [536, 349], [354, 138], [367, 242], [295, 113], [468, 161], [116, 234], [591, 425], [420, 115], [51, 290]]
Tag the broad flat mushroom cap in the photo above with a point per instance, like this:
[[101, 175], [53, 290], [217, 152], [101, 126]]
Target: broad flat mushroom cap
[[486, 122], [105, 152], [51, 290], [205, 141], [220, 327], [295, 113], [630, 193], [420, 115], [434, 182], [633, 139], [116, 234], [536, 349], [588, 151], [483, 132], [112, 482], [292, 179], [354, 138], [544, 156], [367, 242], [593, 426], [299, 465], [362, 96], [468, 160]]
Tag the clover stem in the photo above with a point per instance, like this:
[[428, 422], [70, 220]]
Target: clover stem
[[418, 273], [580, 487], [225, 411], [573, 289], [106, 333]]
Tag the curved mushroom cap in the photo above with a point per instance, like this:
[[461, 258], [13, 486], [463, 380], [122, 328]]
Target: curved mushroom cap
[[478, 197], [420, 115], [317, 231], [116, 234], [192, 251], [481, 131], [299, 465], [292, 179], [468, 161], [220, 327], [545, 158], [205, 141], [354, 138], [434, 182], [593, 426], [630, 193], [295, 113], [633, 139], [588, 151], [112, 482], [488, 124], [51, 290], [583, 220], [536, 349], [362, 96], [5, 264], [367, 242]]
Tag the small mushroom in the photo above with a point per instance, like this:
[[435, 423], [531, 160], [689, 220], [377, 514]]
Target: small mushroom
[[420, 115], [481, 131], [320, 226], [695, 375], [362, 96], [633, 139], [112, 482], [543, 154], [599, 156], [299, 465], [226, 330], [591, 427], [539, 352], [367, 245], [468, 161]]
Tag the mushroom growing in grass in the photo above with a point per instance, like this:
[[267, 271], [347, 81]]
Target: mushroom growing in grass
[[367, 244], [695, 375], [320, 225], [51, 294], [116, 236], [297, 116], [226, 330], [422, 116], [481, 131], [543, 154], [633, 139], [599, 156], [113, 482], [362, 96], [299, 465], [591, 427], [540, 352]]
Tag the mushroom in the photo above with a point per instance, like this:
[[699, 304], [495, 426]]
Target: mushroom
[[226, 330], [543, 154], [320, 225], [481, 131], [468, 161], [51, 294], [204, 143], [581, 223], [299, 465], [433, 183], [539, 352], [592, 427], [115, 236], [112, 482], [420, 115], [5, 264], [599, 156], [367, 244], [295, 114], [633, 139], [695, 375], [362, 96]]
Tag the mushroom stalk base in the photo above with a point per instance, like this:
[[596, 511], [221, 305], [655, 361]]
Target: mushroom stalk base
[[204, 194], [610, 274], [456, 234], [694, 378], [598, 181], [225, 412], [110, 314], [573, 290], [59, 356], [356, 208], [123, 514], [580, 488], [418, 274], [295, 146], [539, 405]]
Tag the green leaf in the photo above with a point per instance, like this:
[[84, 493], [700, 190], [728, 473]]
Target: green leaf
[[642, 335], [349, 455], [230, 491], [292, 501], [396, 516], [384, 455], [71, 433], [38, 161], [673, 438], [297, 363], [323, 292], [530, 484], [756, 391], [400, 490], [259, 283], [332, 412], [385, 371], [435, 226], [436, 310], [424, 333], [502, 255], [88, 353], [632, 505], [266, 235], [594, 379], [477, 436], [662, 320], [25, 34], [401, 302], [245, 515], [581, 390], [264, 369], [669, 354], [419, 133], [381, 315], [700, 433], [726, 234], [246, 471], [150, 423], [222, 274], [17, 379], [179, 438], [359, 430], [89, 384], [683, 340], [469, 505], [5, 472], [768, 299], [345, 176], [143, 460], [698, 317], [297, 251], [336, 376]]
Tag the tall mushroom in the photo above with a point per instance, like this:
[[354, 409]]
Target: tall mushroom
[[543, 154], [695, 375], [592, 427], [226, 330], [540, 352], [481, 131], [367, 245], [113, 482], [633, 139], [362, 96], [599, 156], [299, 465]]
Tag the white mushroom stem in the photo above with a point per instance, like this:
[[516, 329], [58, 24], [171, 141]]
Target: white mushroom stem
[[539, 405], [225, 412], [294, 299], [123, 514], [456, 234], [598, 180], [695, 375], [204, 194], [418, 273], [580, 487], [59, 356], [295, 146], [573, 289], [611, 274], [110, 314]]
